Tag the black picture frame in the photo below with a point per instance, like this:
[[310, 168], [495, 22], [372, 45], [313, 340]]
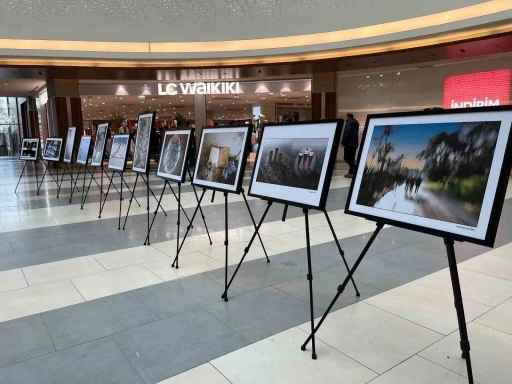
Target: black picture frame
[[72, 137], [118, 169], [148, 148], [329, 171], [107, 135], [38, 146], [84, 138], [501, 187], [243, 162], [61, 140], [188, 148]]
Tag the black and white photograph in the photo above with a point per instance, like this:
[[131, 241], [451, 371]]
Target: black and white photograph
[[52, 149], [440, 171], [174, 155], [70, 145], [99, 145], [83, 150], [119, 152], [221, 157], [295, 161], [142, 142], [29, 149]]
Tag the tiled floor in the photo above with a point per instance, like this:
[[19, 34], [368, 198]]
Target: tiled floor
[[82, 302]]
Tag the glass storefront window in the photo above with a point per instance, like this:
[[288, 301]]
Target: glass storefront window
[[9, 127]]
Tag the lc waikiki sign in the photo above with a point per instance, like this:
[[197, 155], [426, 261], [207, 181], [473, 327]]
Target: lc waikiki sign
[[213, 88], [481, 89]]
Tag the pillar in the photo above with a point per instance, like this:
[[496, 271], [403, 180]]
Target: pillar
[[200, 115], [323, 96], [64, 108]]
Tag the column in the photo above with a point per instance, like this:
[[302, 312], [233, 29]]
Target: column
[[200, 116], [323, 96], [64, 108]]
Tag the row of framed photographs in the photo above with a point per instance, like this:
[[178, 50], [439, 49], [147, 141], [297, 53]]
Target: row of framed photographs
[[439, 172]]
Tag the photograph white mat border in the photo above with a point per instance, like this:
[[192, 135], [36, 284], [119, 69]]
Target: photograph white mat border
[[30, 140], [211, 184], [114, 168], [60, 152], [169, 176], [143, 116], [70, 129], [82, 139], [479, 232], [326, 130], [93, 164]]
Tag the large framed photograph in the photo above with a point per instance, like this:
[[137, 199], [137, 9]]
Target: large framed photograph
[[221, 158], [174, 155], [142, 142], [295, 162], [52, 149], [29, 149], [83, 150], [99, 146], [439, 172], [70, 145], [119, 152]]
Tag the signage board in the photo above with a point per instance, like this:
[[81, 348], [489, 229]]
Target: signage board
[[200, 88]]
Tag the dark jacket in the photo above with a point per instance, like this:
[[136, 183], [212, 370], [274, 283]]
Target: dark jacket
[[351, 134]]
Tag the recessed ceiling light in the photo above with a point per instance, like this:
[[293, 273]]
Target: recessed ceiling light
[[367, 77], [381, 75], [103, 103], [398, 73]]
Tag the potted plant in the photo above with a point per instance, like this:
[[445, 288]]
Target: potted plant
[[179, 119], [117, 119]]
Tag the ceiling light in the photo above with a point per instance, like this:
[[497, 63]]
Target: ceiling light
[[367, 77], [381, 75], [103, 103], [398, 73]]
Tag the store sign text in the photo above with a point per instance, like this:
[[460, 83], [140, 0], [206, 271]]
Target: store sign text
[[215, 88], [481, 89]]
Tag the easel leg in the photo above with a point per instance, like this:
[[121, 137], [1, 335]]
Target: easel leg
[[213, 196], [101, 188], [131, 199], [178, 224], [22, 172], [459, 306], [147, 198], [342, 287], [202, 215], [106, 174], [35, 168], [150, 190], [42, 180], [226, 245], [254, 224], [129, 190], [89, 187], [178, 199], [285, 212], [246, 250], [73, 183], [310, 280], [106, 195], [120, 202], [156, 213], [340, 250], [175, 262], [83, 187], [59, 185]]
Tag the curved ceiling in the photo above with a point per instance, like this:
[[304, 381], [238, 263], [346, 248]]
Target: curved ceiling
[[276, 31]]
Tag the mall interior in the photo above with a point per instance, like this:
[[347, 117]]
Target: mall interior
[[113, 272]]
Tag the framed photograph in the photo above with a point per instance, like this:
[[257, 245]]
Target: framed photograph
[[83, 151], [119, 152], [52, 149], [295, 162], [221, 158], [174, 155], [99, 146], [443, 173], [29, 149], [142, 142], [70, 145]]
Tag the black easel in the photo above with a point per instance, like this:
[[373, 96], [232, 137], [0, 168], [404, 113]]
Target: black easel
[[100, 185], [285, 212], [148, 190], [23, 171], [111, 183], [47, 170], [189, 227], [459, 307], [70, 173], [341, 288]]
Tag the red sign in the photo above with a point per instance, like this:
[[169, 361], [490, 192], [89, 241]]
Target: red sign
[[479, 89]]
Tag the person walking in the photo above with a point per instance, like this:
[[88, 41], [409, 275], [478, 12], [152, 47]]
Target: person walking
[[350, 141]]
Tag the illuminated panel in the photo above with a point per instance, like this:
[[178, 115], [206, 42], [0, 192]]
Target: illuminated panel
[[479, 89]]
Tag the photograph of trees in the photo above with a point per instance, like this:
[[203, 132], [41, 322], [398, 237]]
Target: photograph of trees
[[437, 170]]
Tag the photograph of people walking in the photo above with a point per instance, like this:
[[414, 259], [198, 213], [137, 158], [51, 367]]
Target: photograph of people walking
[[434, 170]]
